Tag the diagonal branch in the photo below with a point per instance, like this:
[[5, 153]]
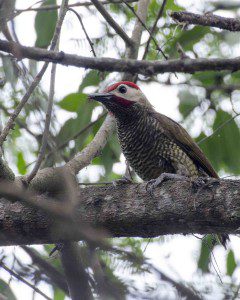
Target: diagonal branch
[[20, 278], [231, 24], [55, 43], [56, 277], [149, 31], [153, 29], [113, 23]]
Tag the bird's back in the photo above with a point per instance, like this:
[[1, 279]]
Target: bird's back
[[150, 143]]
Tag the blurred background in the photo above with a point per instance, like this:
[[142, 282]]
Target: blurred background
[[206, 104]]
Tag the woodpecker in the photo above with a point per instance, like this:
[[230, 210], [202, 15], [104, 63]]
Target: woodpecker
[[156, 147]]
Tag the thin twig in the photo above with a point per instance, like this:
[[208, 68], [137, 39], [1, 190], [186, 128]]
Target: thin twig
[[113, 23], [47, 126], [153, 29], [145, 27], [53, 7], [55, 42], [18, 121], [55, 276], [219, 128], [85, 32], [12, 273], [75, 136], [32, 87], [14, 115]]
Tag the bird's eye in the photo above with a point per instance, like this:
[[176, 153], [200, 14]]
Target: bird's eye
[[122, 89]]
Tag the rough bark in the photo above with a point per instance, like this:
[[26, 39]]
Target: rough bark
[[129, 210], [231, 24], [133, 66]]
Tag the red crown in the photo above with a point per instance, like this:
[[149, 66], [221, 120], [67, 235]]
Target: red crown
[[115, 85]]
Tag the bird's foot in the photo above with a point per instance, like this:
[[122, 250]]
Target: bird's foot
[[199, 182], [153, 183], [123, 180]]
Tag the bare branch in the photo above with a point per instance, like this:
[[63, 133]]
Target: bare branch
[[231, 24], [85, 32], [128, 211], [56, 277], [14, 115], [12, 273], [133, 66], [153, 29], [223, 4], [77, 4], [181, 289], [113, 23], [31, 88], [55, 43], [145, 27], [18, 121]]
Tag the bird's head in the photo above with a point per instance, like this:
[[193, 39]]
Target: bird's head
[[119, 97]]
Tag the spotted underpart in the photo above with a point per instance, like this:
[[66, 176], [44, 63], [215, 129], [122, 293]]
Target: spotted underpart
[[147, 148]]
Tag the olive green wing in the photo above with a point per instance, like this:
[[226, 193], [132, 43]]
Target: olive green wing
[[176, 132]]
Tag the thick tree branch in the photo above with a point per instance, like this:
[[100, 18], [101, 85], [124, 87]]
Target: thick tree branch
[[130, 211], [78, 282], [231, 24], [147, 68]]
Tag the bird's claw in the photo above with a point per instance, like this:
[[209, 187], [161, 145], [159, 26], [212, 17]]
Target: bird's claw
[[199, 182], [123, 180], [150, 187], [153, 183]]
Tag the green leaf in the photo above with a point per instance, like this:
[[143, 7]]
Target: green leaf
[[187, 39], [6, 290], [205, 254], [92, 78], [188, 102], [231, 263], [45, 23], [21, 164], [58, 294], [208, 78], [72, 102], [75, 125], [110, 154], [223, 147]]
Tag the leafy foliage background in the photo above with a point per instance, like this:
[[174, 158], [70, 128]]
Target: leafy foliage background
[[208, 107]]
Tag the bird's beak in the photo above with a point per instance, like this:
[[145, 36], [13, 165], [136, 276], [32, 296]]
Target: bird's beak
[[101, 97]]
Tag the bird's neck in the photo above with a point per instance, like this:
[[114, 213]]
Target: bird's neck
[[132, 115]]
